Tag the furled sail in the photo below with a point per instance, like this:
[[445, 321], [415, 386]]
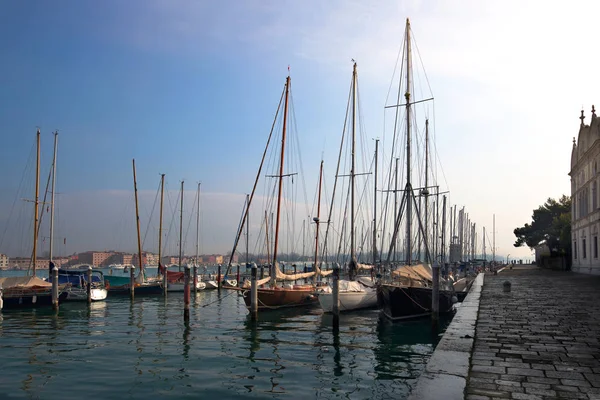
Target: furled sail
[[291, 277]]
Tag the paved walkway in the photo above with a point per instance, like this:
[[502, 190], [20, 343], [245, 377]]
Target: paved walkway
[[541, 340]]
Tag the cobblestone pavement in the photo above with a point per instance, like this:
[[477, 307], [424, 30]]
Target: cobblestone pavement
[[539, 341]]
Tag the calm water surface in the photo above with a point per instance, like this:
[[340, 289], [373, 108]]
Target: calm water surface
[[143, 349]]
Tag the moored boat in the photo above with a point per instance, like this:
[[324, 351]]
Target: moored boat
[[27, 291], [75, 282]]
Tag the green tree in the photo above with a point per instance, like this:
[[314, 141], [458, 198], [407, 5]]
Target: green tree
[[551, 224]]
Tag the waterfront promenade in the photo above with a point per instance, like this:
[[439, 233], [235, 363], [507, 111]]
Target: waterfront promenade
[[541, 340]]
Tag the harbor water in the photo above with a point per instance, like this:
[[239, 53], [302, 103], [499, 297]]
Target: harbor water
[[143, 349]]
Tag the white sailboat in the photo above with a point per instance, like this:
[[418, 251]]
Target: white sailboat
[[357, 292]]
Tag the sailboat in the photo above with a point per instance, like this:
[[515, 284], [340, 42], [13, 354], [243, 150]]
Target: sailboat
[[175, 280], [30, 291], [287, 295], [409, 294], [122, 285], [357, 292]]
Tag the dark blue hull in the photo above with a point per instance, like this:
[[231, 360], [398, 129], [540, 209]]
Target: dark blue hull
[[139, 290], [401, 302]]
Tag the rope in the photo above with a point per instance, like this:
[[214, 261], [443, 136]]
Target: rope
[[411, 299], [219, 299]]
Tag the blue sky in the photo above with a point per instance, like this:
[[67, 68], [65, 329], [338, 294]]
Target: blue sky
[[190, 88]]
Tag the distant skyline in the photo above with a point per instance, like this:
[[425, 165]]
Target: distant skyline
[[189, 89]]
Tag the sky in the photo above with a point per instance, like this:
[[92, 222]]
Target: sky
[[190, 89]]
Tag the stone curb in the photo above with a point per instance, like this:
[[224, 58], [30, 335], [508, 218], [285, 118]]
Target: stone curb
[[445, 376]]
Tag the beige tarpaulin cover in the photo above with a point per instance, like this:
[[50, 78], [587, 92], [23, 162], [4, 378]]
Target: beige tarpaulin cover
[[413, 272], [291, 277], [364, 266], [23, 282], [323, 273]]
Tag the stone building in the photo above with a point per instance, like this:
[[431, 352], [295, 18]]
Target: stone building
[[4, 261], [585, 213]]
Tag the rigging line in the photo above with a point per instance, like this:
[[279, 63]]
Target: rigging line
[[301, 171], [31, 153], [187, 230], [151, 214], [43, 208], [173, 218], [239, 233], [337, 170]]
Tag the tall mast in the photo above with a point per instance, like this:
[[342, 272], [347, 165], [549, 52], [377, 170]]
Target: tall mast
[[426, 190], [50, 253], [285, 113], [484, 255], [444, 230], [36, 203], [317, 220], [494, 239], [247, 228], [375, 207], [181, 227], [198, 227], [162, 196], [396, 204], [137, 219], [408, 191], [352, 174]]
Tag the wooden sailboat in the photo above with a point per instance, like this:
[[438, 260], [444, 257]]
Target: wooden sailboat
[[141, 285], [30, 291], [175, 280], [409, 294], [287, 295], [354, 293]]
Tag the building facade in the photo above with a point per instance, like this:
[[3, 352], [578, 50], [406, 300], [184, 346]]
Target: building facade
[[585, 213], [4, 261]]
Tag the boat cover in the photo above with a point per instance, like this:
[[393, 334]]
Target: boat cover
[[291, 277], [414, 272], [23, 282]]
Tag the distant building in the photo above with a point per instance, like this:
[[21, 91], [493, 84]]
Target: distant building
[[585, 213], [94, 257], [4, 261]]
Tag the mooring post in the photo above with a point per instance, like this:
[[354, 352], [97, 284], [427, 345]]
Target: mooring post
[[219, 279], [164, 281], [262, 271], [295, 272], [132, 281], [89, 284], [336, 296], [186, 293], [435, 294], [237, 276], [253, 294], [195, 279], [55, 288]]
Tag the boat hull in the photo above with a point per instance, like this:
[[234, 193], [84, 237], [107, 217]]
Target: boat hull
[[211, 284], [349, 301], [30, 300], [276, 298], [179, 287], [150, 289], [80, 294], [405, 302]]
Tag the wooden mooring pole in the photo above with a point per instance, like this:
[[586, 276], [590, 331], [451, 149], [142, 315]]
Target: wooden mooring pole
[[253, 294], [195, 279], [89, 284], [186, 293], [132, 281], [435, 294], [336, 296], [55, 288]]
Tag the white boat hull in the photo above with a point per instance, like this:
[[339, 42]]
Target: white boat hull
[[349, 301], [178, 287], [211, 284], [80, 294]]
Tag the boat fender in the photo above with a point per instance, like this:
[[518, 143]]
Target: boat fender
[[454, 299]]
